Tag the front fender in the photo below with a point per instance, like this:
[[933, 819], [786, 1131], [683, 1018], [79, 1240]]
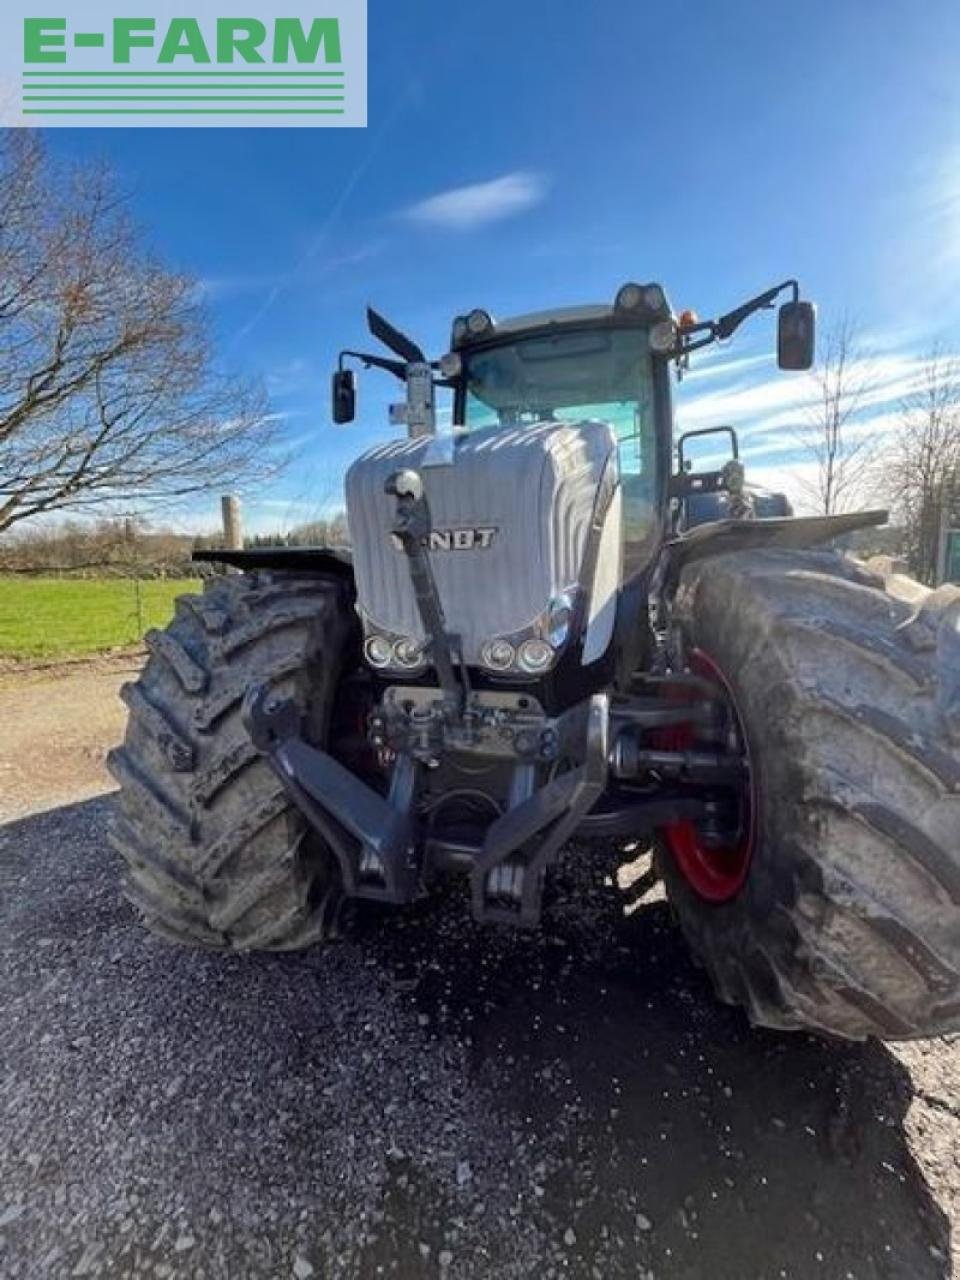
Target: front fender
[[724, 537], [330, 560]]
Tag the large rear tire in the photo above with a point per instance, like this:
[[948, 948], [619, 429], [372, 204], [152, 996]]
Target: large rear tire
[[213, 852], [848, 918]]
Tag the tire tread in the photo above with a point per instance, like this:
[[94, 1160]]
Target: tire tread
[[851, 958], [214, 854]]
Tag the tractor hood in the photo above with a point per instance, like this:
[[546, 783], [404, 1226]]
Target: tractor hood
[[513, 515]]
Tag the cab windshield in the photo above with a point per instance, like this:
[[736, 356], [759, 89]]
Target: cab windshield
[[571, 376]]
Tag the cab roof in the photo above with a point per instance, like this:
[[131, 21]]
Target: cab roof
[[478, 328]]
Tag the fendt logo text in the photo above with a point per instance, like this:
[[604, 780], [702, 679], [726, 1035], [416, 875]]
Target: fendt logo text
[[470, 539], [100, 67]]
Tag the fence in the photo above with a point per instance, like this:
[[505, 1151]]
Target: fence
[[59, 617]]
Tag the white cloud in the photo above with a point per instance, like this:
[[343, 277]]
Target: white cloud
[[784, 400], [722, 366], [290, 376], [217, 288], [464, 208], [772, 416]]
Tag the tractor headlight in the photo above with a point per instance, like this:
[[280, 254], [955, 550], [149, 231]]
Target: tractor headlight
[[629, 297], [498, 655], [653, 298], [663, 336], [479, 322], [407, 653], [451, 364], [559, 619], [378, 651], [535, 656], [460, 330], [641, 297]]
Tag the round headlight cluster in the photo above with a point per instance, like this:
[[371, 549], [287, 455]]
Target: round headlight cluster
[[531, 656], [381, 651], [498, 655], [663, 336], [407, 653], [629, 297], [378, 651], [479, 321], [535, 656], [451, 364], [653, 298], [473, 325], [636, 297]]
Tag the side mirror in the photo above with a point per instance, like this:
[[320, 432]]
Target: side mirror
[[796, 335], [344, 396]]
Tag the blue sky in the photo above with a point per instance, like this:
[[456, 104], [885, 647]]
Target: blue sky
[[520, 156]]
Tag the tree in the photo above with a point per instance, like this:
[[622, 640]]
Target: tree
[[329, 531], [924, 462], [844, 453], [102, 548], [108, 390]]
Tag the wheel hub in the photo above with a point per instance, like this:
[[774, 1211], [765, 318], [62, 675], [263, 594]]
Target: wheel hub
[[714, 858]]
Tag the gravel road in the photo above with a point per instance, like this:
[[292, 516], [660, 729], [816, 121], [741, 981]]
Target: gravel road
[[58, 722], [429, 1099]]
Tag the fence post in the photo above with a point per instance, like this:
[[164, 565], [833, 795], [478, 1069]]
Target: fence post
[[131, 539], [138, 603], [232, 522], [940, 575]]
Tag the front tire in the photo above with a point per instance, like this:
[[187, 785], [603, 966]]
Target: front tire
[[848, 920], [214, 854]]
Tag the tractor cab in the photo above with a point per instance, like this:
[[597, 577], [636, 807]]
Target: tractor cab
[[580, 365], [576, 365]]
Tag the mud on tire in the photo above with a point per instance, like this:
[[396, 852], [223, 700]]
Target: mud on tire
[[849, 920], [214, 854]]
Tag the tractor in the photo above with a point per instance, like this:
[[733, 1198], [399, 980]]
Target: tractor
[[535, 646]]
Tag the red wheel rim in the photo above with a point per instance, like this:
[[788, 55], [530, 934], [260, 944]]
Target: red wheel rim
[[716, 872]]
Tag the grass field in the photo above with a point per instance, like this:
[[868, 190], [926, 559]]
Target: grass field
[[63, 617]]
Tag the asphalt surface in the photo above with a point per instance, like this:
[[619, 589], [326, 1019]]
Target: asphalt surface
[[429, 1099]]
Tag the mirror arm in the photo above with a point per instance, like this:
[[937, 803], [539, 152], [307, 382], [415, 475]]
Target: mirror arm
[[727, 325], [686, 347], [396, 367]]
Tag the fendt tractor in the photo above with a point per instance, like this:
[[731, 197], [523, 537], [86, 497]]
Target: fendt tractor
[[538, 644]]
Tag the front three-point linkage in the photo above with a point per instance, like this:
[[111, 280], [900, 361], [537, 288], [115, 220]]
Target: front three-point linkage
[[372, 836], [412, 530]]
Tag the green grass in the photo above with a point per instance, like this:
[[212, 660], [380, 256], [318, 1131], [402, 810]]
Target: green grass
[[64, 617]]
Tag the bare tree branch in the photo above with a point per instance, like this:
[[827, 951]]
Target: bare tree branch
[[923, 466], [108, 389], [842, 382]]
